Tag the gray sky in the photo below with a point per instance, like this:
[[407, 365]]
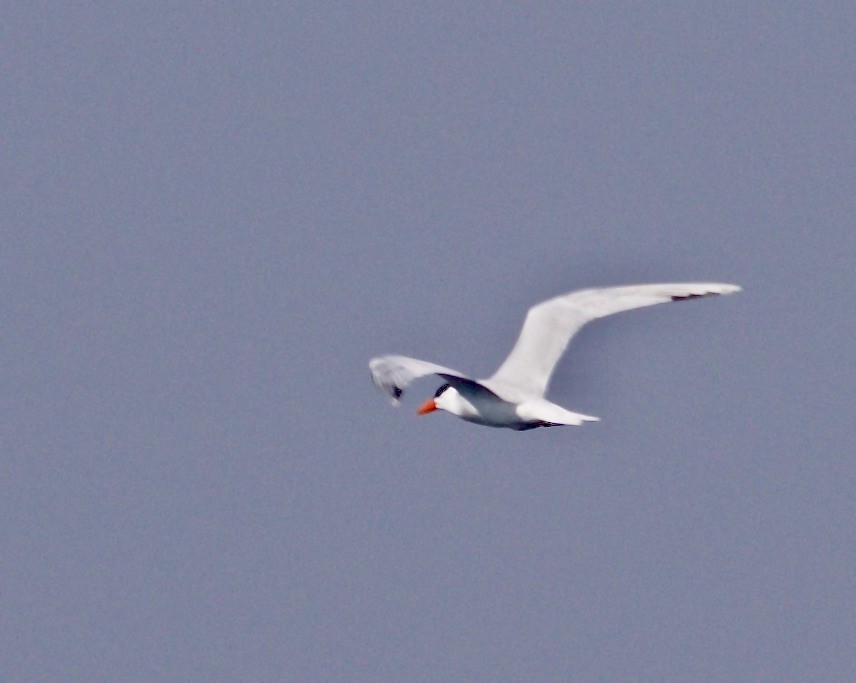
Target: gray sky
[[212, 217]]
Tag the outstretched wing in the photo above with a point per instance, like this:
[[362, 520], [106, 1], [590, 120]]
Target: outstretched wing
[[550, 325], [392, 374]]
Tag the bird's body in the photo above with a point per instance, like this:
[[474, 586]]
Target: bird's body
[[513, 397], [476, 402]]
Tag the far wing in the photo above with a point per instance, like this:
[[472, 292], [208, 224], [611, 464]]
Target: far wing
[[392, 374], [550, 325]]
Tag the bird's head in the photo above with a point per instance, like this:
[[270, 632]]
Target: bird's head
[[442, 400]]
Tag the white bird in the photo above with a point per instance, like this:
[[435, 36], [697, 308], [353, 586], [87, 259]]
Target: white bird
[[513, 396]]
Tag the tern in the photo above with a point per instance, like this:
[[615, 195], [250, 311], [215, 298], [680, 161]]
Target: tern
[[513, 397]]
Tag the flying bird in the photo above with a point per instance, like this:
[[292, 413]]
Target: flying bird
[[513, 396]]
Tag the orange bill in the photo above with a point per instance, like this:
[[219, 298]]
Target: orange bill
[[428, 407]]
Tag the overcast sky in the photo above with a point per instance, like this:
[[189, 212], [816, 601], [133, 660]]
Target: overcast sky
[[214, 214]]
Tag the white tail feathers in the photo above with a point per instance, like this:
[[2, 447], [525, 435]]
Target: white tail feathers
[[542, 409]]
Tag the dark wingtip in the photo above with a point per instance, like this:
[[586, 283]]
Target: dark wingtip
[[693, 296]]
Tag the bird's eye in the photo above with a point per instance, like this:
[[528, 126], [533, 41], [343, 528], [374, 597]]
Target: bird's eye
[[440, 390]]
